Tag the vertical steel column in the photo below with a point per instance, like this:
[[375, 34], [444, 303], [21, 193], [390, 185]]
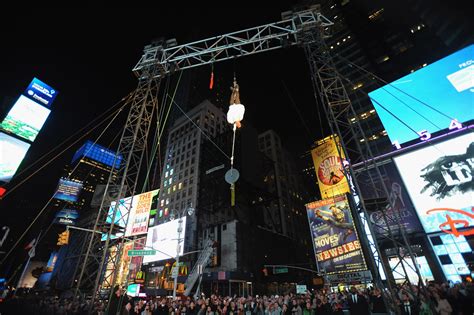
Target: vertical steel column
[[338, 109]]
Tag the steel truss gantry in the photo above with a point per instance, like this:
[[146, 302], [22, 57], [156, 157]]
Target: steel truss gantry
[[307, 29]]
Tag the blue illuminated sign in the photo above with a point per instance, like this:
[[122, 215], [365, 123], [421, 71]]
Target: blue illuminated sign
[[41, 92], [68, 190], [97, 153], [67, 217], [431, 99]]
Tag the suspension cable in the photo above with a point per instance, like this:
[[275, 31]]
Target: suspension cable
[[117, 112]]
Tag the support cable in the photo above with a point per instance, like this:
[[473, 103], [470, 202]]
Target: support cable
[[395, 87], [50, 160], [52, 197], [202, 131]]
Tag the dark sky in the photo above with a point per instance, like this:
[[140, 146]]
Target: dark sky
[[87, 55]]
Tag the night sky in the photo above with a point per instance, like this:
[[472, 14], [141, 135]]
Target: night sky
[[87, 55]]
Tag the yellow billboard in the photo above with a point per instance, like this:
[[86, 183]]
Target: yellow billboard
[[328, 167]]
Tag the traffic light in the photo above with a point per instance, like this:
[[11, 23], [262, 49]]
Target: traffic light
[[63, 238]]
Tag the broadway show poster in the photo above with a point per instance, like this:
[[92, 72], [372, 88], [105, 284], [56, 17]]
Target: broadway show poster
[[439, 179], [328, 167], [336, 244], [401, 213]]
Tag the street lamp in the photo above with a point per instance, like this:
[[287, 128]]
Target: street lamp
[[189, 211]]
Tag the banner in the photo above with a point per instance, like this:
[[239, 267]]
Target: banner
[[402, 212], [336, 244], [328, 168]]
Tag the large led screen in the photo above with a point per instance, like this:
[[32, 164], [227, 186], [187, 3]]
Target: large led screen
[[439, 180], [335, 241], [41, 92], [25, 119], [68, 190], [98, 153], [164, 239], [135, 210], [12, 152], [428, 99]]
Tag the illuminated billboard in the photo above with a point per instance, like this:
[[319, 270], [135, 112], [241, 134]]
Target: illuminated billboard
[[97, 153], [138, 210], [68, 190], [335, 240], [40, 92], [439, 179], [328, 167], [67, 217], [25, 119], [428, 99], [12, 152], [164, 239]]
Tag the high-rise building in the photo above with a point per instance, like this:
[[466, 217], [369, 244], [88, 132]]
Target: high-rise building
[[179, 180], [291, 194], [89, 169]]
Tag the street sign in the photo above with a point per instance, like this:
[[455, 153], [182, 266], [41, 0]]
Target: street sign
[[141, 252], [278, 270], [174, 272]]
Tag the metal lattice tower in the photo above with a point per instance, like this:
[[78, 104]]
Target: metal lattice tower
[[307, 29], [133, 144]]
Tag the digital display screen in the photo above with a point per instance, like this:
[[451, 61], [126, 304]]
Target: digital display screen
[[135, 210], [25, 119], [12, 152], [68, 190], [40, 92], [97, 153], [440, 183], [336, 243], [164, 239], [428, 99], [67, 217]]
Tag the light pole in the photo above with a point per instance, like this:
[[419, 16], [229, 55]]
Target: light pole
[[189, 211]]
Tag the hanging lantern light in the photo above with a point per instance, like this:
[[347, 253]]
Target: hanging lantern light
[[236, 110]]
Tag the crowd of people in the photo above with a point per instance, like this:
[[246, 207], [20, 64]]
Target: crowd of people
[[436, 299]]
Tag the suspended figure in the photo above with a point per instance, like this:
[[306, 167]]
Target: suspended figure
[[236, 109]]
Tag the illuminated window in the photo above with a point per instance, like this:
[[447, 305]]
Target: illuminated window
[[165, 183], [160, 213], [166, 212], [162, 202], [357, 86], [171, 171], [171, 180], [166, 174], [167, 201], [169, 190], [174, 187], [180, 185], [376, 15]]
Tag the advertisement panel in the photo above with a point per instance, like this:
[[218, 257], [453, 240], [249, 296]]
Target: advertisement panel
[[67, 217], [98, 153], [25, 119], [137, 221], [328, 167], [446, 85], [163, 238], [403, 212], [41, 92], [336, 243], [12, 152], [140, 213], [68, 190], [440, 183]]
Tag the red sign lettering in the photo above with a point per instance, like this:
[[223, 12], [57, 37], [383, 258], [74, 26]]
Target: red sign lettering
[[452, 224]]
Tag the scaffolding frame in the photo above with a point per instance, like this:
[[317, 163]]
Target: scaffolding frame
[[307, 29]]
